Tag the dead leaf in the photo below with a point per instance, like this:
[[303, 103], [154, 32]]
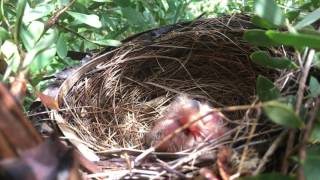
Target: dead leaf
[[48, 101]]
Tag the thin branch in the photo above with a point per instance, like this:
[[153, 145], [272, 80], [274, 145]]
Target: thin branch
[[251, 133], [303, 79], [54, 19], [269, 152], [300, 95], [307, 132]]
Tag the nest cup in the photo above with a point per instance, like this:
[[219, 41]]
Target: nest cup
[[113, 100]]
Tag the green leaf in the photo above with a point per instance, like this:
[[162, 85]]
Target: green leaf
[[91, 20], [11, 54], [102, 0], [314, 87], [262, 23], [165, 5], [108, 42], [259, 38], [4, 35], [312, 163], [296, 40], [306, 6], [269, 176], [269, 10], [46, 41], [282, 114], [31, 34], [309, 19], [20, 11], [41, 10], [293, 15], [134, 17], [62, 48], [266, 89], [123, 3], [315, 3], [264, 59], [315, 133], [42, 59]]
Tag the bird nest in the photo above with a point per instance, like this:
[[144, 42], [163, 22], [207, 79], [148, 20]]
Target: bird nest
[[113, 101]]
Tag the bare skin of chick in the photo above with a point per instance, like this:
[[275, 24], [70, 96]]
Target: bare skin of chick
[[180, 112], [163, 128]]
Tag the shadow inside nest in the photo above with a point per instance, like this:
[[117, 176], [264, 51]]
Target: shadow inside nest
[[115, 99]]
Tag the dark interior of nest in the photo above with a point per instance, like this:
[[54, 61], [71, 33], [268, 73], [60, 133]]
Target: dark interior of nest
[[116, 103]]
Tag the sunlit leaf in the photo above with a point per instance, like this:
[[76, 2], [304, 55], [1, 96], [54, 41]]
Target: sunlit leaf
[[282, 114], [266, 90], [108, 42], [62, 3], [91, 20], [102, 0], [259, 38], [31, 34], [309, 19], [11, 53], [4, 34], [296, 40], [264, 59], [62, 48], [270, 11], [46, 41], [314, 87], [41, 10], [165, 4], [42, 59]]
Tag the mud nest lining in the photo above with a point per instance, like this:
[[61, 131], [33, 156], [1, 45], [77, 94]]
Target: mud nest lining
[[114, 102]]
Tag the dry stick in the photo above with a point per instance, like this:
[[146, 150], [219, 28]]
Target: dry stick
[[171, 135], [300, 96], [269, 152], [167, 168], [245, 150], [307, 132]]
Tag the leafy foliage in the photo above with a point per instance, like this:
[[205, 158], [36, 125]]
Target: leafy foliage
[[296, 29], [282, 114], [264, 59], [266, 90]]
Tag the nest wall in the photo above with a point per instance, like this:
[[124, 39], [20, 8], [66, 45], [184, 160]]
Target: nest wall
[[115, 102]]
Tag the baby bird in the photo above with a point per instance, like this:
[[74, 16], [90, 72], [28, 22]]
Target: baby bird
[[178, 113]]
